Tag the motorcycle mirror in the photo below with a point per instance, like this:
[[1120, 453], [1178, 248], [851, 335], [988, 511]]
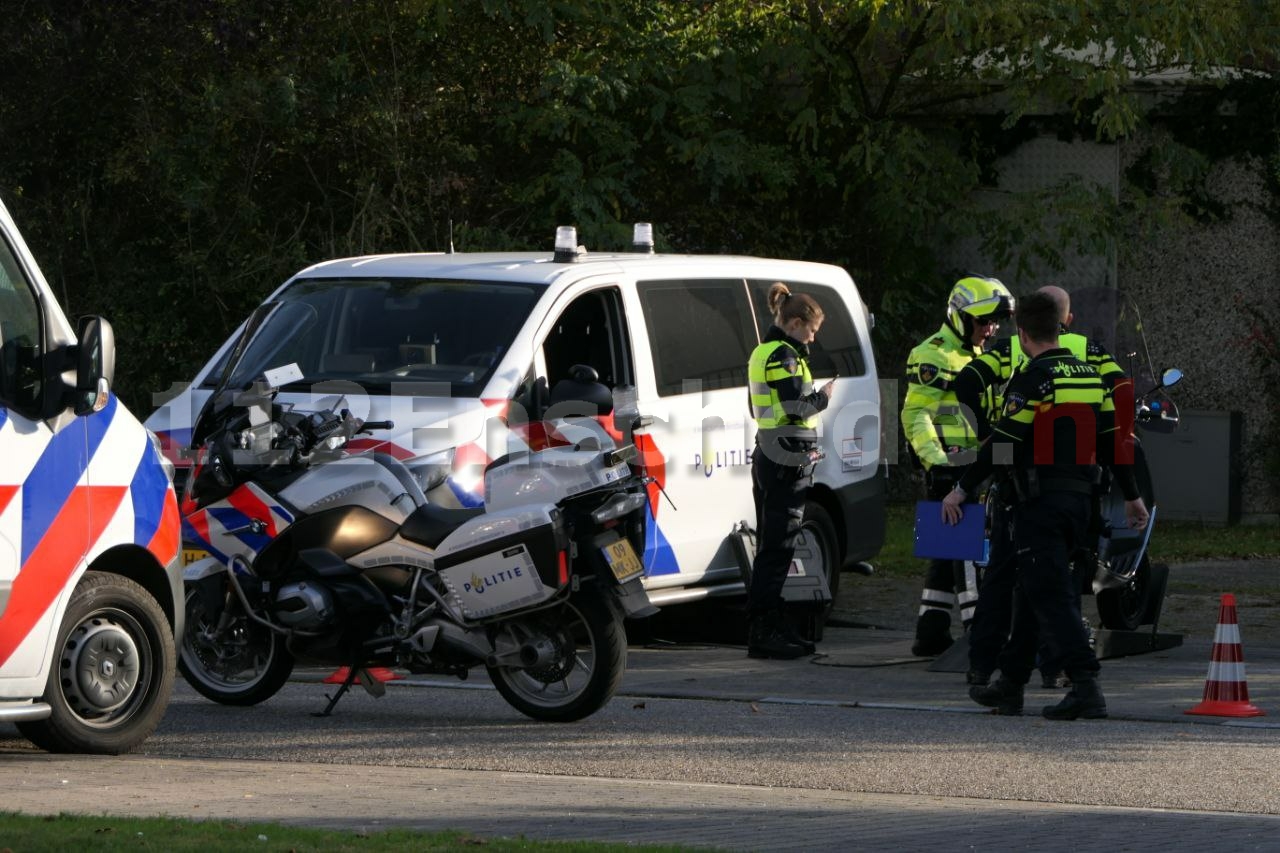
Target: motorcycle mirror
[[1170, 377]]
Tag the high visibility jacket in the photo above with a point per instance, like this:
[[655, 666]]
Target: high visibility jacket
[[980, 386], [1077, 345], [781, 387], [931, 417], [1059, 420]]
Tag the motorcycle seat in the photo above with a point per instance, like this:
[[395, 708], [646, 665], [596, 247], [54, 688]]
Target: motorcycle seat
[[430, 524]]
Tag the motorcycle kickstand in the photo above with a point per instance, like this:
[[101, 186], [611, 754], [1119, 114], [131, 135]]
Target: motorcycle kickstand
[[353, 674]]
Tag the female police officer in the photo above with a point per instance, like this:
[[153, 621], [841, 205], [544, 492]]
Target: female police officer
[[785, 407]]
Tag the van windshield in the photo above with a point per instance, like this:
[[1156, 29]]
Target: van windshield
[[421, 337]]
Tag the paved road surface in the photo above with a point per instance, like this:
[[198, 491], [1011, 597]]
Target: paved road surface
[[862, 748]]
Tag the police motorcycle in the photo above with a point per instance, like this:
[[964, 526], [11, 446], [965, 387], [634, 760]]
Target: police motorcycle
[[327, 557], [1116, 567]]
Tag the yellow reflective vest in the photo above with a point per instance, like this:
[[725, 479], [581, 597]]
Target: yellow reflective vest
[[931, 418], [776, 364]]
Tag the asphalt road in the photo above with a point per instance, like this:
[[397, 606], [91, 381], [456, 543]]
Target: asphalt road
[[705, 746]]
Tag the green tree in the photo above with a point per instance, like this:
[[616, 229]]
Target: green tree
[[175, 161], [857, 132]]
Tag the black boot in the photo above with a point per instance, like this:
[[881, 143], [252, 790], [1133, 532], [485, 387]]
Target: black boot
[[1051, 679], [1003, 695], [791, 635], [977, 677], [766, 640], [933, 634], [1085, 699]]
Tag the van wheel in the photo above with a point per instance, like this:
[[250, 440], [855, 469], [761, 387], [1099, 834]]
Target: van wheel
[[819, 547], [113, 673]]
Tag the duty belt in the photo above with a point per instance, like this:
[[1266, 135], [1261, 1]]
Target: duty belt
[[1059, 484]]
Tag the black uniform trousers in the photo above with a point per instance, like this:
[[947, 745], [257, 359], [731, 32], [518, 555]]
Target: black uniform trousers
[[1047, 604], [779, 491], [994, 612]]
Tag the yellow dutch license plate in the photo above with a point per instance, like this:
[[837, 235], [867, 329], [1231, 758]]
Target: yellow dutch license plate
[[622, 560], [190, 555]]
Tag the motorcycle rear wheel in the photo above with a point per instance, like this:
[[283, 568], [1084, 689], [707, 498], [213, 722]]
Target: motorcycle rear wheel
[[1125, 608], [244, 665], [591, 657]]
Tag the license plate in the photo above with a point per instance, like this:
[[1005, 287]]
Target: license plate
[[190, 555], [622, 560]]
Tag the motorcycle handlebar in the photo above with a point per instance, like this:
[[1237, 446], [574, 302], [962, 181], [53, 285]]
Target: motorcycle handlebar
[[369, 426]]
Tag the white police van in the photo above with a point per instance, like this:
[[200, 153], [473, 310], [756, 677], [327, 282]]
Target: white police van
[[457, 348], [90, 580]]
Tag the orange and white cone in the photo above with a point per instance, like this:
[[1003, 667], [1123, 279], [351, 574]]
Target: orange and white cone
[[1226, 693], [379, 673]]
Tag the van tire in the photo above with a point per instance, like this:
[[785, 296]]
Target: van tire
[[112, 625], [818, 525]]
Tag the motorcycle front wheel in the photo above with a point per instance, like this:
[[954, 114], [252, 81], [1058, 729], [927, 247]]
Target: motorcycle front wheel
[[590, 654], [244, 663], [1125, 608]]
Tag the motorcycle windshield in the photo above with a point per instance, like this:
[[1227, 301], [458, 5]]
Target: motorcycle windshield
[[264, 343], [404, 336], [1109, 317]]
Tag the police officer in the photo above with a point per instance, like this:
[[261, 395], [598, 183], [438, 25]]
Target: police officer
[[1057, 419], [980, 385], [785, 407], [943, 440], [979, 390]]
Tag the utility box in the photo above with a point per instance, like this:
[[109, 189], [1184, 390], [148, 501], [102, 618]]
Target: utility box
[[1195, 469]]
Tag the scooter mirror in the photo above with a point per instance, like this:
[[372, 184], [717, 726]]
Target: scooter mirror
[[1170, 377]]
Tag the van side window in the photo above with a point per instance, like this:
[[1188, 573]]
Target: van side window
[[591, 331], [837, 348], [699, 329], [20, 336]]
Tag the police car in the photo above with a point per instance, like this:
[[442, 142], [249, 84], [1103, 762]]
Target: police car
[[90, 581], [458, 348]]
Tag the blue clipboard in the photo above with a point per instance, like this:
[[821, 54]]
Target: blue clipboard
[[937, 540]]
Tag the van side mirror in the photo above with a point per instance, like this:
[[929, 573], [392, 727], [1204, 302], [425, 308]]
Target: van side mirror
[[95, 366]]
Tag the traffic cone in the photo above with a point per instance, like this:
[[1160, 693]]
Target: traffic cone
[[379, 673], [1226, 694]]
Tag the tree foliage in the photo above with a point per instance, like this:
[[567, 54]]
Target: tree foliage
[[173, 162]]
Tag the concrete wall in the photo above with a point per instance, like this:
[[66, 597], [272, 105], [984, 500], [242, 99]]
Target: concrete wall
[[1197, 286], [1201, 289]]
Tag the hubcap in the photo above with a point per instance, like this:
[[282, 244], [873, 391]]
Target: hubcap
[[100, 665]]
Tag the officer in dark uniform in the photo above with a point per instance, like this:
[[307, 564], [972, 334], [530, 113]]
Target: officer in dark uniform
[[979, 390], [1057, 420], [785, 407]]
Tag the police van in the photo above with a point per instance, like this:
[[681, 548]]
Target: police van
[[90, 577], [457, 349]]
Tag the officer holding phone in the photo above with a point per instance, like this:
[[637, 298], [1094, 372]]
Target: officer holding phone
[[785, 406]]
